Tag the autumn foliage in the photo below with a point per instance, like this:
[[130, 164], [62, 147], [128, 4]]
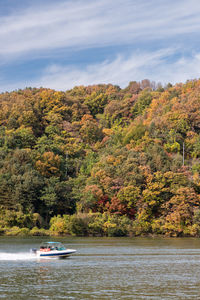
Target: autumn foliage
[[128, 157]]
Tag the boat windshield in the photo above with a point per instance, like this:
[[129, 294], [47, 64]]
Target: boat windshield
[[52, 246]]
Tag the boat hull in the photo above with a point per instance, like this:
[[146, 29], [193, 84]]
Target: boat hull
[[56, 253]]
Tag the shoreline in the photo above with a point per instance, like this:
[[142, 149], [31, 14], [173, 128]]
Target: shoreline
[[25, 232]]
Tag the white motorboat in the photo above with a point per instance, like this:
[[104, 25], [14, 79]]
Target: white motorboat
[[53, 249]]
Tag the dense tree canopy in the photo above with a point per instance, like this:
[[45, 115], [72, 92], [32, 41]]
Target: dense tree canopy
[[104, 150]]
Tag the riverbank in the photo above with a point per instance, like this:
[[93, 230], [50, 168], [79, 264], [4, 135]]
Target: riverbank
[[90, 224]]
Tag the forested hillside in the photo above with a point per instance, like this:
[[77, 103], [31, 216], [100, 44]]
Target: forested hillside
[[101, 160]]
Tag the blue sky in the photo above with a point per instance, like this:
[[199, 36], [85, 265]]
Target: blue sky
[[64, 43]]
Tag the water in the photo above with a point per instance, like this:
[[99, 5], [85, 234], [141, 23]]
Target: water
[[102, 268]]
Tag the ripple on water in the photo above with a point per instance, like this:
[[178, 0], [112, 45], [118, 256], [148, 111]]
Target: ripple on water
[[103, 269]]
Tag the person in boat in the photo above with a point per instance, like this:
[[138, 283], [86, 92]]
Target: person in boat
[[45, 249]]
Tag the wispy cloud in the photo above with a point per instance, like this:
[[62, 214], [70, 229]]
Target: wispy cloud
[[159, 34], [92, 23], [120, 71]]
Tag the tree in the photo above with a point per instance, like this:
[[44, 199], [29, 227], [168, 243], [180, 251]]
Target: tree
[[49, 164], [90, 131]]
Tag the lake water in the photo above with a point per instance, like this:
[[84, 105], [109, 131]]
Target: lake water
[[102, 268]]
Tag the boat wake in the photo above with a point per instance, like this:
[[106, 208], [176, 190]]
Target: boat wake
[[16, 256]]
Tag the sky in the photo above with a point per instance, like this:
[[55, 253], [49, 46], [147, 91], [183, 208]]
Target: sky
[[64, 43]]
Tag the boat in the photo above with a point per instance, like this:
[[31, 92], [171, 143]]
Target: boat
[[53, 249]]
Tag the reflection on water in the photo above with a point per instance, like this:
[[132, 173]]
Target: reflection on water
[[112, 268]]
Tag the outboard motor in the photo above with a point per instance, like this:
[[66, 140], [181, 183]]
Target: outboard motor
[[33, 250]]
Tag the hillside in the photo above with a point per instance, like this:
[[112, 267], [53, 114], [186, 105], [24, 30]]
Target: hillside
[[101, 159]]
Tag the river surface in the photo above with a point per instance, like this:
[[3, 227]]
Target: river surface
[[102, 268]]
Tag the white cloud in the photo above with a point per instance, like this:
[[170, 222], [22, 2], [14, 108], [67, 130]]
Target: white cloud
[[120, 71], [71, 25], [92, 23]]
